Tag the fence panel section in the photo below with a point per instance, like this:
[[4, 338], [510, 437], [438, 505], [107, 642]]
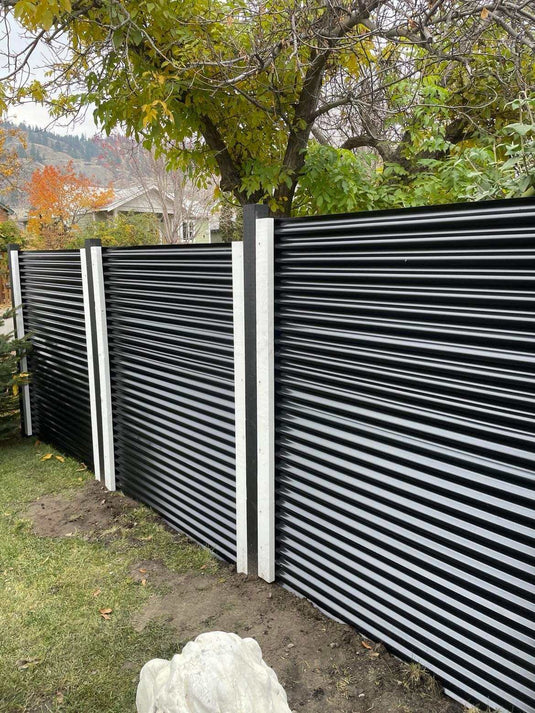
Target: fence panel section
[[53, 308], [405, 424], [170, 333]]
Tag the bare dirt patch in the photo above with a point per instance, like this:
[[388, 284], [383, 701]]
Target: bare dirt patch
[[323, 665], [91, 510]]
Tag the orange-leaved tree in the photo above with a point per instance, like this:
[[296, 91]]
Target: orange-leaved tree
[[59, 198]]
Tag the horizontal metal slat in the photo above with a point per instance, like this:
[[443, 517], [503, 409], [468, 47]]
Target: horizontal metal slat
[[170, 333], [51, 285], [405, 474]]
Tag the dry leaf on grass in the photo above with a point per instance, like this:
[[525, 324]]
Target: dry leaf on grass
[[47, 456], [105, 613], [142, 570], [96, 592], [366, 645], [23, 664], [143, 582], [61, 459]]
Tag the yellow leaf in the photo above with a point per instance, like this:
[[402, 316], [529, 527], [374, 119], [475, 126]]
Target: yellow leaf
[[61, 459], [105, 610], [47, 456], [484, 13], [15, 389]]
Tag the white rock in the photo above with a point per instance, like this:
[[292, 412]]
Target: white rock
[[215, 673]]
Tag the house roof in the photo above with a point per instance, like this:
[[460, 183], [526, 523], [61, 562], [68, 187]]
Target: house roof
[[121, 196], [7, 209]]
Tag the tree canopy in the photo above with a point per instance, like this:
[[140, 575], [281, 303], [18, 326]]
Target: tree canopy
[[255, 91]]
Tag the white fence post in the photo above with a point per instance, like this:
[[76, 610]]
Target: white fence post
[[101, 329], [92, 358], [18, 324], [238, 299], [265, 393]]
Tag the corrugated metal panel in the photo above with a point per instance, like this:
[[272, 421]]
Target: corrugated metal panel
[[51, 284], [170, 332], [405, 434]]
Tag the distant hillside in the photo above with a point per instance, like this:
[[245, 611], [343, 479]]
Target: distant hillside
[[48, 148]]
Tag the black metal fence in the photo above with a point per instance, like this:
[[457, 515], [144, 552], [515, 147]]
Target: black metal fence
[[51, 290], [169, 316], [405, 425], [391, 468]]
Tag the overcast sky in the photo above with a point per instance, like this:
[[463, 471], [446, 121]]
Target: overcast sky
[[35, 114]]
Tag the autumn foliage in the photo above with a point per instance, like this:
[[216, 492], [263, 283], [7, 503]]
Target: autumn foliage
[[59, 198]]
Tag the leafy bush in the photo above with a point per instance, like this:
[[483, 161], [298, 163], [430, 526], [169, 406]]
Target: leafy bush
[[9, 233], [122, 230], [11, 380]]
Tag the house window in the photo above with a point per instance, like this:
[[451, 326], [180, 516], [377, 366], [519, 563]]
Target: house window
[[188, 231]]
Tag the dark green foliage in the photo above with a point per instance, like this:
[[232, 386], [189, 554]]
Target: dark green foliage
[[231, 223], [11, 380]]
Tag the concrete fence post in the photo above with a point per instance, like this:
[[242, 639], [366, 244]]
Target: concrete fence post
[[18, 322], [265, 397], [101, 370]]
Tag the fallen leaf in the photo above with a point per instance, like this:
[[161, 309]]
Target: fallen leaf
[[96, 592], [15, 389], [484, 13], [143, 582], [142, 570], [366, 644], [204, 566], [59, 697], [23, 664], [146, 539], [106, 616], [47, 456], [374, 654], [106, 610], [82, 468], [61, 459]]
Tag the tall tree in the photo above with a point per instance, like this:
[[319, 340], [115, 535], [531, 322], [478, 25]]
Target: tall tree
[[131, 162], [248, 83]]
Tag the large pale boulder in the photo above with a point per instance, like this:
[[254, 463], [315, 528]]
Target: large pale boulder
[[215, 673]]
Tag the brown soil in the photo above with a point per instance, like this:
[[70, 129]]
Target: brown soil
[[322, 664], [90, 510]]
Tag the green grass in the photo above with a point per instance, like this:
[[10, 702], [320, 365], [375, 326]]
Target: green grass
[[57, 653]]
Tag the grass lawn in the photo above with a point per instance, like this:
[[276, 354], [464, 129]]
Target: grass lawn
[[57, 652], [92, 586]]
